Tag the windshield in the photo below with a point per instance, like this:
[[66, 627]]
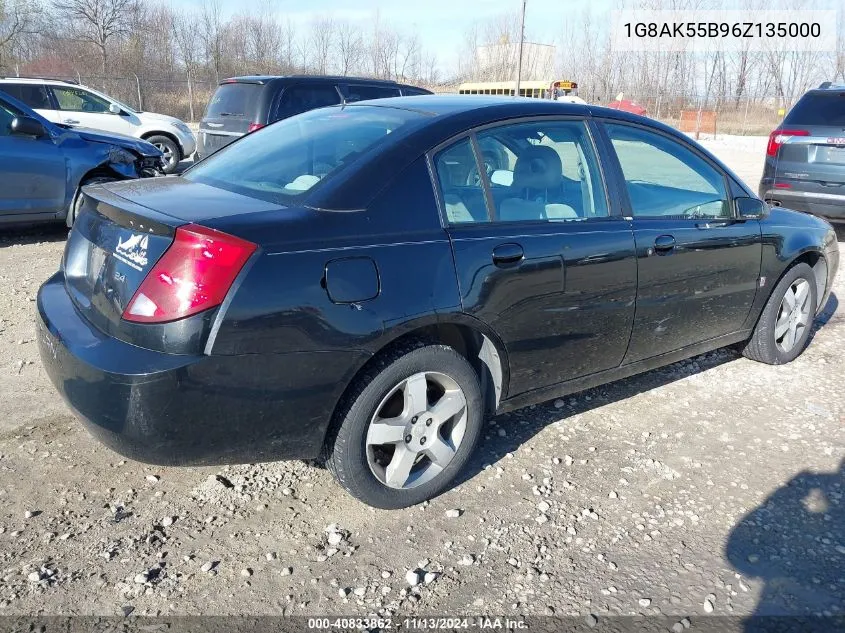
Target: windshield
[[818, 108], [235, 100], [290, 157]]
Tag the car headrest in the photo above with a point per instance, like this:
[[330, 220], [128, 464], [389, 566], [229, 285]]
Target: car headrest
[[538, 167]]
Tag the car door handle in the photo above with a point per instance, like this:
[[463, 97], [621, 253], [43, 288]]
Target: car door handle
[[71, 122], [664, 244], [506, 254]]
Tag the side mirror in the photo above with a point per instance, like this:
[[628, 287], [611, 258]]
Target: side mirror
[[27, 126], [115, 109], [751, 208]]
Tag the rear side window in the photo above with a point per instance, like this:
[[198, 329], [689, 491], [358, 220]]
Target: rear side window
[[33, 95], [818, 108], [235, 100], [409, 92], [285, 160], [361, 93], [298, 99]]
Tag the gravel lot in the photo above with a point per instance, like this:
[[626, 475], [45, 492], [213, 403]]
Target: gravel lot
[[714, 485]]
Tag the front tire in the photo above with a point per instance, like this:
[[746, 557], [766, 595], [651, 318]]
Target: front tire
[[170, 149], [784, 327], [76, 207], [407, 427]]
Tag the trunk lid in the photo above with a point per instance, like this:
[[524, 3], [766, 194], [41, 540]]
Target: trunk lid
[[124, 229]]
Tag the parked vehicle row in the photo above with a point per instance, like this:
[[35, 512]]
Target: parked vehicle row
[[367, 282], [43, 166], [68, 103]]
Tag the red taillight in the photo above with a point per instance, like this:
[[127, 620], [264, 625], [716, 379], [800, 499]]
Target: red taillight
[[193, 275], [254, 126], [783, 185], [779, 137]]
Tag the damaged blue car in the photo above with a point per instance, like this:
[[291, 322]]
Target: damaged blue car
[[43, 166]]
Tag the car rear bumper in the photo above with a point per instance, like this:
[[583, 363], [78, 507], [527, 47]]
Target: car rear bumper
[[188, 409], [804, 197]]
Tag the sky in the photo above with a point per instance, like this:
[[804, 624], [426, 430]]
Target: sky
[[441, 24]]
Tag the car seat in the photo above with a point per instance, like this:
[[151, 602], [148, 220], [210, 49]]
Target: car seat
[[538, 170]]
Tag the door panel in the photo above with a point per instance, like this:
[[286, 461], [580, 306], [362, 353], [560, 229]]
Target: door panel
[[698, 265], [539, 256], [32, 176], [700, 288], [565, 309]]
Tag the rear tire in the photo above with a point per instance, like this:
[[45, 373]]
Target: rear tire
[[76, 207], [424, 446], [785, 323], [170, 149]]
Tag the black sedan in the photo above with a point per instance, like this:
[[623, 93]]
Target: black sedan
[[367, 282]]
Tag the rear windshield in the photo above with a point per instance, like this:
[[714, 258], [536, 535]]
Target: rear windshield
[[288, 158], [816, 108], [235, 100]]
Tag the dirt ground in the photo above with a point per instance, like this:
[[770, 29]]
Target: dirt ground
[[712, 486]]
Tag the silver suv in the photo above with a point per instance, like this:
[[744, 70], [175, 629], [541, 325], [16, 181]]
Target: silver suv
[[805, 158]]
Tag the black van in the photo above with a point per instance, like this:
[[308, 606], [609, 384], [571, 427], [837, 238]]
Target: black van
[[243, 104]]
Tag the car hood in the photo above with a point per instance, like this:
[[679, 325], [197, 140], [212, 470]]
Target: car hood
[[126, 142], [155, 116], [784, 216]]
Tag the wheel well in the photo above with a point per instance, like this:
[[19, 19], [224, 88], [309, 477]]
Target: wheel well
[[172, 137], [479, 350], [817, 262]]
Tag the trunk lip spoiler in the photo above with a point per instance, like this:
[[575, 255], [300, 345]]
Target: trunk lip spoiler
[[135, 217]]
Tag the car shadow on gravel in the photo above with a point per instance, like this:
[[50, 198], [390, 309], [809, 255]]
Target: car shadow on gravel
[[22, 235], [506, 433], [794, 542]]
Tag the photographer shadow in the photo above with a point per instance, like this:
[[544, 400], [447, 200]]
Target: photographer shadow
[[795, 543]]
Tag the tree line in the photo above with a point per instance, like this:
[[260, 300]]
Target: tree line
[[150, 54]]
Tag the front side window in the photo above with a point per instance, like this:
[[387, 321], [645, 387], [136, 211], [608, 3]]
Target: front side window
[[79, 100], [543, 170], [286, 159], [666, 179]]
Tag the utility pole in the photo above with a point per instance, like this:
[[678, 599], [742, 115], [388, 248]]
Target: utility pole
[[521, 40]]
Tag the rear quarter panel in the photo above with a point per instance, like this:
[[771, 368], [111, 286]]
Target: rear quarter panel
[[284, 304]]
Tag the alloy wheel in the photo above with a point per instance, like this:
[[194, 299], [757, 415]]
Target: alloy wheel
[[416, 430], [794, 315]]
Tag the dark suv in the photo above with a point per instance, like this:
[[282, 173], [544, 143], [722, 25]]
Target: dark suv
[[244, 104], [805, 158]]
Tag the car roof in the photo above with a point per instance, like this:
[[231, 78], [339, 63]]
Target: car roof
[[36, 80], [263, 79]]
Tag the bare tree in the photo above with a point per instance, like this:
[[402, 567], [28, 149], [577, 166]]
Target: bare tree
[[320, 43], [211, 28], [187, 39], [350, 47], [17, 18], [99, 21]]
